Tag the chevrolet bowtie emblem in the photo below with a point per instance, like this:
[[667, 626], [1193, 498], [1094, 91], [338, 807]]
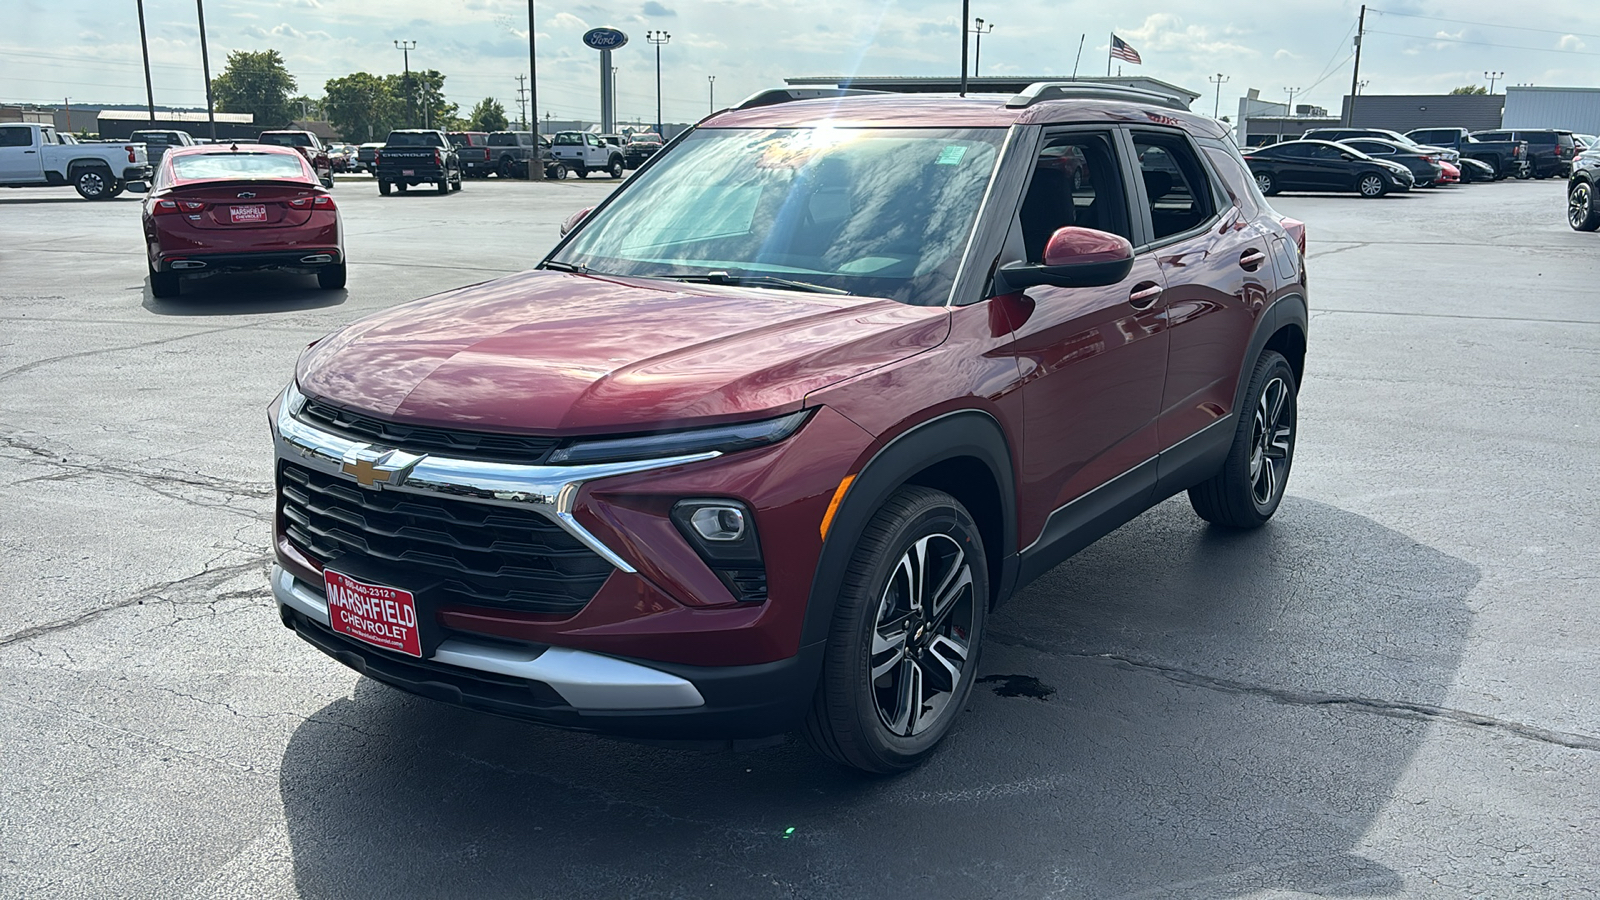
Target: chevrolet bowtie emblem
[[247, 195], [371, 467]]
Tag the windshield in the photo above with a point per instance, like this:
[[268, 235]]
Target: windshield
[[876, 212], [287, 140], [231, 166], [413, 139]]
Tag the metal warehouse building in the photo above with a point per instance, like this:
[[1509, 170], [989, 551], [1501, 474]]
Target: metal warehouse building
[[1403, 112], [1572, 109]]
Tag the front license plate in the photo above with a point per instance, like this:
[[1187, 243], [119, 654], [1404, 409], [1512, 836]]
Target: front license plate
[[408, 171], [242, 214], [381, 616]]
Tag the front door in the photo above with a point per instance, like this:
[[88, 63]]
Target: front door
[[20, 161]]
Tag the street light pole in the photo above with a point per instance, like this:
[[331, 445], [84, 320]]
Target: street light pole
[[658, 38], [966, 23], [205, 65], [144, 44], [1493, 77], [977, 54], [406, 47], [1291, 91], [1219, 81], [711, 93], [535, 167]]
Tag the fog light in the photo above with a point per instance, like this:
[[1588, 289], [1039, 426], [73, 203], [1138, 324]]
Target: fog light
[[718, 523]]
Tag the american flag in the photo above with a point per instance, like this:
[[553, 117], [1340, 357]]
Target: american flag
[[1121, 50]]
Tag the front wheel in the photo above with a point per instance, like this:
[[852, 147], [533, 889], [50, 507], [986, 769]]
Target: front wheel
[[582, 172], [1266, 183], [616, 168], [1371, 185], [1583, 213], [902, 650], [1249, 487]]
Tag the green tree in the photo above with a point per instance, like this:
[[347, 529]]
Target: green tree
[[256, 82], [362, 106], [488, 115], [1470, 89], [427, 108]]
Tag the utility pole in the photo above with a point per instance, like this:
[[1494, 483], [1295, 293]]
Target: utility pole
[[1219, 80], [205, 66], [406, 47], [1493, 77], [1355, 75], [522, 99], [144, 44], [977, 54], [966, 7], [711, 93], [658, 38], [1289, 111], [535, 169]]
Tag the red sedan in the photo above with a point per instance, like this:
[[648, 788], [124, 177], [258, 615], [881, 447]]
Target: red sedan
[[230, 208], [1452, 175]]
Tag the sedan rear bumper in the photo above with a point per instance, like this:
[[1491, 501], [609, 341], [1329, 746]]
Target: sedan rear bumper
[[304, 259]]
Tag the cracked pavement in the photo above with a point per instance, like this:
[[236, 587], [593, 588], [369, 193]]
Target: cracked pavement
[[1389, 692]]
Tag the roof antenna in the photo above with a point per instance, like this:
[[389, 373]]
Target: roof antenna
[[235, 147]]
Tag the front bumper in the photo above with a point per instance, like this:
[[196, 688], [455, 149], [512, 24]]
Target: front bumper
[[573, 689]]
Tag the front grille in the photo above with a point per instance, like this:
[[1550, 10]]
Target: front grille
[[512, 448], [481, 555]]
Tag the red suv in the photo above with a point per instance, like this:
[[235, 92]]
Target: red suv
[[771, 431]]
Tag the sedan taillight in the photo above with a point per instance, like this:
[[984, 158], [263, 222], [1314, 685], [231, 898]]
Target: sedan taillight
[[319, 202], [178, 207]]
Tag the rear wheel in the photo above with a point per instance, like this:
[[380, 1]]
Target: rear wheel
[[383, 188], [93, 184], [444, 182], [557, 172], [504, 168], [331, 278], [1371, 185], [1248, 489], [163, 285], [902, 650], [456, 185], [1266, 183], [1583, 213]]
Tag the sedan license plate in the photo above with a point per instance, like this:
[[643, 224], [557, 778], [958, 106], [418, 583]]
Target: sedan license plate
[[244, 214], [381, 616], [408, 171]]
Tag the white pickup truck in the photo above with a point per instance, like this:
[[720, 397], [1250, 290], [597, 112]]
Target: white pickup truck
[[583, 153], [33, 155]]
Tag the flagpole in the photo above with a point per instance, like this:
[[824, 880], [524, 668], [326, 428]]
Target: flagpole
[[1109, 46], [1081, 39]]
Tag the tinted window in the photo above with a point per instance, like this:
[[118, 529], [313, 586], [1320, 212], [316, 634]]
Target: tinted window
[[1076, 181], [1493, 135], [1236, 179], [238, 165], [287, 140], [1542, 138], [1175, 183], [1296, 151], [413, 139], [16, 137]]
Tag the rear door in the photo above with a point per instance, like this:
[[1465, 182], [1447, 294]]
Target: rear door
[[20, 160]]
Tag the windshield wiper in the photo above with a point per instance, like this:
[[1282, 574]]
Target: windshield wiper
[[566, 267], [771, 281]]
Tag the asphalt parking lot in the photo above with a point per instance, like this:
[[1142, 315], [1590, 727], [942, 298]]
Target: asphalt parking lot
[[1391, 691]]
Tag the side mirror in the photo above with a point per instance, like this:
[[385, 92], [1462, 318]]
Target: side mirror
[[1074, 257], [573, 220]]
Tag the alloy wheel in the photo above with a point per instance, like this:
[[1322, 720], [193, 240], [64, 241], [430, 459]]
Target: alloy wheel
[[1271, 441], [1371, 186], [92, 184], [1264, 182], [1578, 205], [921, 636]]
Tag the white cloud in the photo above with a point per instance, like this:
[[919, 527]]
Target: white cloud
[[1571, 42]]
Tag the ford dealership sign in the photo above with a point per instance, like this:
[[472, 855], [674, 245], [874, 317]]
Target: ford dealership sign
[[604, 38]]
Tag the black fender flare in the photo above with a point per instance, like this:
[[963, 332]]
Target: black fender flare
[[1288, 310], [962, 433]]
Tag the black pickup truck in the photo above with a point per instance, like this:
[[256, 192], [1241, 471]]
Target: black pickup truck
[[509, 151], [1506, 157], [418, 157]]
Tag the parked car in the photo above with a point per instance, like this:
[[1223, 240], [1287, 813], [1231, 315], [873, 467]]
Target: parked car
[[1585, 141], [1475, 170], [765, 438], [583, 153], [641, 147], [1324, 166], [1583, 207], [418, 156], [158, 141], [1449, 174], [472, 147], [1384, 134], [1505, 158], [511, 150], [310, 146], [367, 157], [240, 207], [1550, 152], [1427, 168], [343, 156], [33, 155]]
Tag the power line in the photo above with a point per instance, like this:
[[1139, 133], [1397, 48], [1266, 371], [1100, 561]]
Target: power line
[[1480, 24], [1448, 40]]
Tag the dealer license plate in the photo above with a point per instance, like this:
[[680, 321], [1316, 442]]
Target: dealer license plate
[[408, 171], [381, 616], [242, 214]]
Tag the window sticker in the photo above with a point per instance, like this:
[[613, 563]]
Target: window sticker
[[951, 155]]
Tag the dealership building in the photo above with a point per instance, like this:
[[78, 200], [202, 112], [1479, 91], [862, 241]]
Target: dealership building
[[1565, 108]]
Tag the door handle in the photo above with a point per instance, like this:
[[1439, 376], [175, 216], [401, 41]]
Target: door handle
[[1145, 294], [1251, 259], [30, 151]]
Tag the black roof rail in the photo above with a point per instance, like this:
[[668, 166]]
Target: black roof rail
[[789, 95], [1040, 91]]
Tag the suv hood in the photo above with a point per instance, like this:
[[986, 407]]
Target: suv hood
[[551, 351]]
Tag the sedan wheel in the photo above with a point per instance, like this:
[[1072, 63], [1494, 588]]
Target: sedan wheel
[[902, 652], [1583, 214], [1266, 183], [1371, 185]]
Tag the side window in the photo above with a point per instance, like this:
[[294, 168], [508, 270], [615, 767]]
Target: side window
[[1324, 151], [1297, 151], [1076, 181], [1175, 183], [15, 137], [1236, 177]]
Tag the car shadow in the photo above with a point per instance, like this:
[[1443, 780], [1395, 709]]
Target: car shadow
[[243, 294], [1177, 711], [68, 197]]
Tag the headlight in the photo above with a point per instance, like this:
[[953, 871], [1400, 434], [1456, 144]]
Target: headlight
[[725, 439], [293, 400]]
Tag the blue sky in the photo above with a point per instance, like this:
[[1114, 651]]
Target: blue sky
[[89, 49]]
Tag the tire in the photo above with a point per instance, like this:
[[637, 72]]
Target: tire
[[884, 724], [383, 188], [444, 182], [327, 182], [331, 278], [504, 168], [582, 172], [1247, 490], [616, 168], [401, 186], [557, 172], [1266, 184], [93, 184], [164, 285], [1583, 212], [117, 187], [1371, 185]]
